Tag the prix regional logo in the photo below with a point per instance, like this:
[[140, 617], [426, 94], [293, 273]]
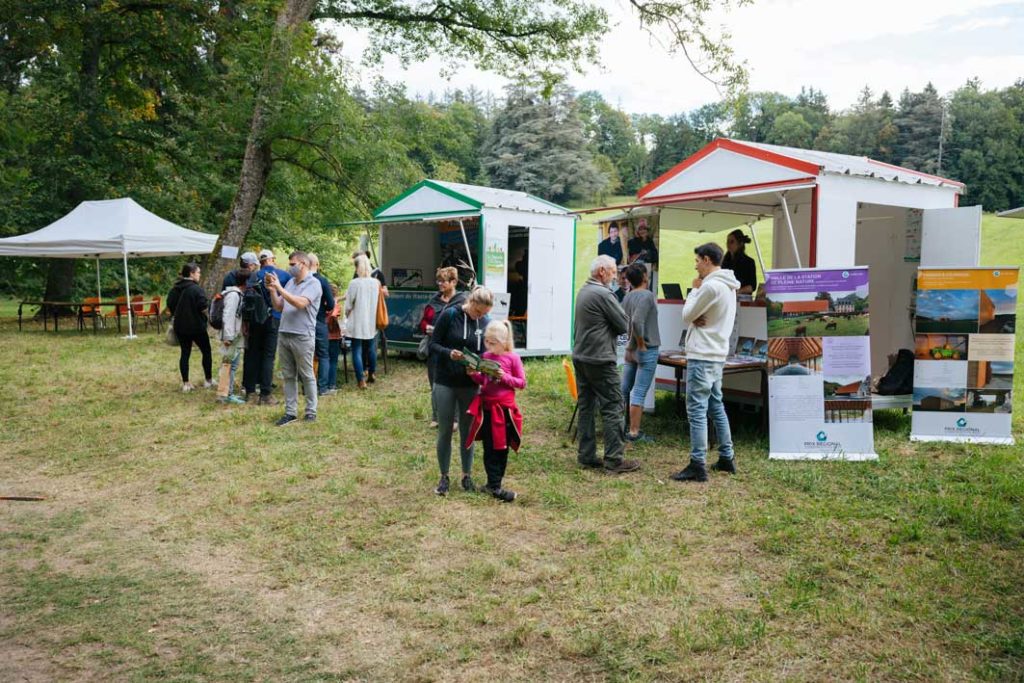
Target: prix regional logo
[[846, 274], [961, 423], [822, 436]]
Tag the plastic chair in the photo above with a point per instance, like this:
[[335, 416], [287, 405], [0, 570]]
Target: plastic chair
[[145, 313], [120, 308], [89, 309], [570, 383]]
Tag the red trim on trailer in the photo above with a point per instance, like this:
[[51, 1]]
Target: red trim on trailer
[[956, 200], [730, 146], [919, 173], [812, 259], [723, 193]]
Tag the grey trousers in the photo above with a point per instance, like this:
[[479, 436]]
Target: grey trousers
[[295, 354], [452, 402], [599, 390]]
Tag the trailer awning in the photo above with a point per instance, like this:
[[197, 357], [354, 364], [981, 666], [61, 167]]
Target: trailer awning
[[410, 219]]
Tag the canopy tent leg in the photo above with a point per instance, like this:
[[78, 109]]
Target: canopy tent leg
[[757, 246], [98, 295], [469, 254], [128, 297], [369, 244], [789, 223]]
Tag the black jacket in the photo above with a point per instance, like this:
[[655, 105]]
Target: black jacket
[[743, 267], [455, 330], [188, 304]]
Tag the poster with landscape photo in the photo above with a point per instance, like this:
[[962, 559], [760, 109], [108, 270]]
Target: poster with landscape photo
[[963, 354]]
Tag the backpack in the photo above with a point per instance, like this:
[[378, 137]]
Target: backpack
[[900, 377], [216, 313], [254, 309]]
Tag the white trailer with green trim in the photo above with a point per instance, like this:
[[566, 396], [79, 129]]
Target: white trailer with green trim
[[519, 246]]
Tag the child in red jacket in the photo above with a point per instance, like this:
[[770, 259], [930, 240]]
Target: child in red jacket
[[496, 417]]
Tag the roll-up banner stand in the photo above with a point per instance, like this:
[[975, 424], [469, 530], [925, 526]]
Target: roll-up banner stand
[[819, 365], [964, 333]]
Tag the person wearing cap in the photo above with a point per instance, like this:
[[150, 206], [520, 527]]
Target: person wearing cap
[[261, 346], [248, 262]]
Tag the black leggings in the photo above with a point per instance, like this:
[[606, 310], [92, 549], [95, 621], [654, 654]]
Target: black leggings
[[495, 461], [202, 340]]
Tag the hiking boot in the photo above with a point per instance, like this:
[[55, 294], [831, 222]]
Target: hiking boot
[[621, 466], [695, 471], [309, 417], [639, 438], [504, 495], [725, 465], [442, 486], [267, 400], [371, 377], [285, 420], [251, 397], [591, 464], [467, 484]]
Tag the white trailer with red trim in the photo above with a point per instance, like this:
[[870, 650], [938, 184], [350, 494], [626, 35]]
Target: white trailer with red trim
[[828, 211]]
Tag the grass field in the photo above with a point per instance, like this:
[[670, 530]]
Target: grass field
[[846, 326], [182, 540]]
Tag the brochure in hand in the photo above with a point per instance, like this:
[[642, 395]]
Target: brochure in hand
[[475, 363]]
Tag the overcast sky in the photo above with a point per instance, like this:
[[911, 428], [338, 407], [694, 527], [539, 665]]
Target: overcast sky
[[837, 47]]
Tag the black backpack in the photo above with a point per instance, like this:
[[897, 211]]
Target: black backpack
[[255, 310], [216, 313], [900, 378]]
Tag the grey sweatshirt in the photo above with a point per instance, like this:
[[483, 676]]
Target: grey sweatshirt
[[642, 311], [599, 320]]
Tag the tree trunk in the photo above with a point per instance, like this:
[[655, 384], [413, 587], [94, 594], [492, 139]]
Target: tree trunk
[[60, 278], [257, 162]]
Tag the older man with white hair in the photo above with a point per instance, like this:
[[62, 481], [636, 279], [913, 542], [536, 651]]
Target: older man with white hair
[[599, 321]]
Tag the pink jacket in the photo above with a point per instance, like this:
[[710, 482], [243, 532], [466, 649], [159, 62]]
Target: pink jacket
[[505, 389], [496, 396]]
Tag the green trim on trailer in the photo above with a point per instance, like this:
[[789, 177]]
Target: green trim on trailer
[[480, 252], [433, 186], [409, 218]]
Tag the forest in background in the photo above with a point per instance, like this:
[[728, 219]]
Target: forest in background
[[155, 100]]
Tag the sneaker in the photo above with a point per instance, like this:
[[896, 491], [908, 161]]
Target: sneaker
[[504, 495], [209, 384], [187, 387], [591, 464], [442, 486], [695, 471], [285, 419], [725, 465], [309, 417], [639, 438], [231, 400], [267, 400], [467, 484], [622, 466], [433, 424], [371, 378]]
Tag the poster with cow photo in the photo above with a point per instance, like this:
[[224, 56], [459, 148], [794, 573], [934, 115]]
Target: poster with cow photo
[[819, 365], [965, 327]]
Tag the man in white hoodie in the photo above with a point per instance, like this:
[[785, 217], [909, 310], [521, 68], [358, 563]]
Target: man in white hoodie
[[710, 311]]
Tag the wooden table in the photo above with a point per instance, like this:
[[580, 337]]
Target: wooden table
[[677, 361], [79, 306]]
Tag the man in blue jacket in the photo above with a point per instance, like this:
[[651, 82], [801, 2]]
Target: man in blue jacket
[[261, 346]]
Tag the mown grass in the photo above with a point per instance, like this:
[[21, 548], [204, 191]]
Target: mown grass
[[181, 540]]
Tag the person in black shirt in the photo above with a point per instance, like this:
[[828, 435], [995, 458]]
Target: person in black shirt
[[642, 248], [611, 246], [739, 263]]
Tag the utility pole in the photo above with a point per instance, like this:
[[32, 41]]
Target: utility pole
[[942, 134]]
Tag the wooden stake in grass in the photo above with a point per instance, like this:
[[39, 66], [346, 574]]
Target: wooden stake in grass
[[30, 498]]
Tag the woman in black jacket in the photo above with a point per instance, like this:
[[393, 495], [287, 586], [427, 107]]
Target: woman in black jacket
[[739, 263], [187, 304], [458, 328]]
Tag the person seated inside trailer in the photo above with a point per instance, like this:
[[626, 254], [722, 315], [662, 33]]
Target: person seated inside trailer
[[739, 263], [642, 248]]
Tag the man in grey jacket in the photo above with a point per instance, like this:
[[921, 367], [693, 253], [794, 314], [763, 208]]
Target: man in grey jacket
[[599, 320]]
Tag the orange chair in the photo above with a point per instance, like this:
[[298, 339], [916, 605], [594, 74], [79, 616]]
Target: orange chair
[[570, 383], [89, 309], [120, 309], [147, 313]]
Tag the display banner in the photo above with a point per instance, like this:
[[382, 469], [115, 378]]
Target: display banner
[[964, 333], [405, 311], [819, 365]]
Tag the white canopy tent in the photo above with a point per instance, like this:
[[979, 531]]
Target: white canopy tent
[[108, 229], [1012, 213]]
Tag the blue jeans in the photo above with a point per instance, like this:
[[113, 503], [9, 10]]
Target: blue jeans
[[637, 377], [320, 351], [333, 351], [703, 399], [357, 356]]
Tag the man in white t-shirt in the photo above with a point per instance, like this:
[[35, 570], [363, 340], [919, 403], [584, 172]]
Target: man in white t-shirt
[[298, 302]]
